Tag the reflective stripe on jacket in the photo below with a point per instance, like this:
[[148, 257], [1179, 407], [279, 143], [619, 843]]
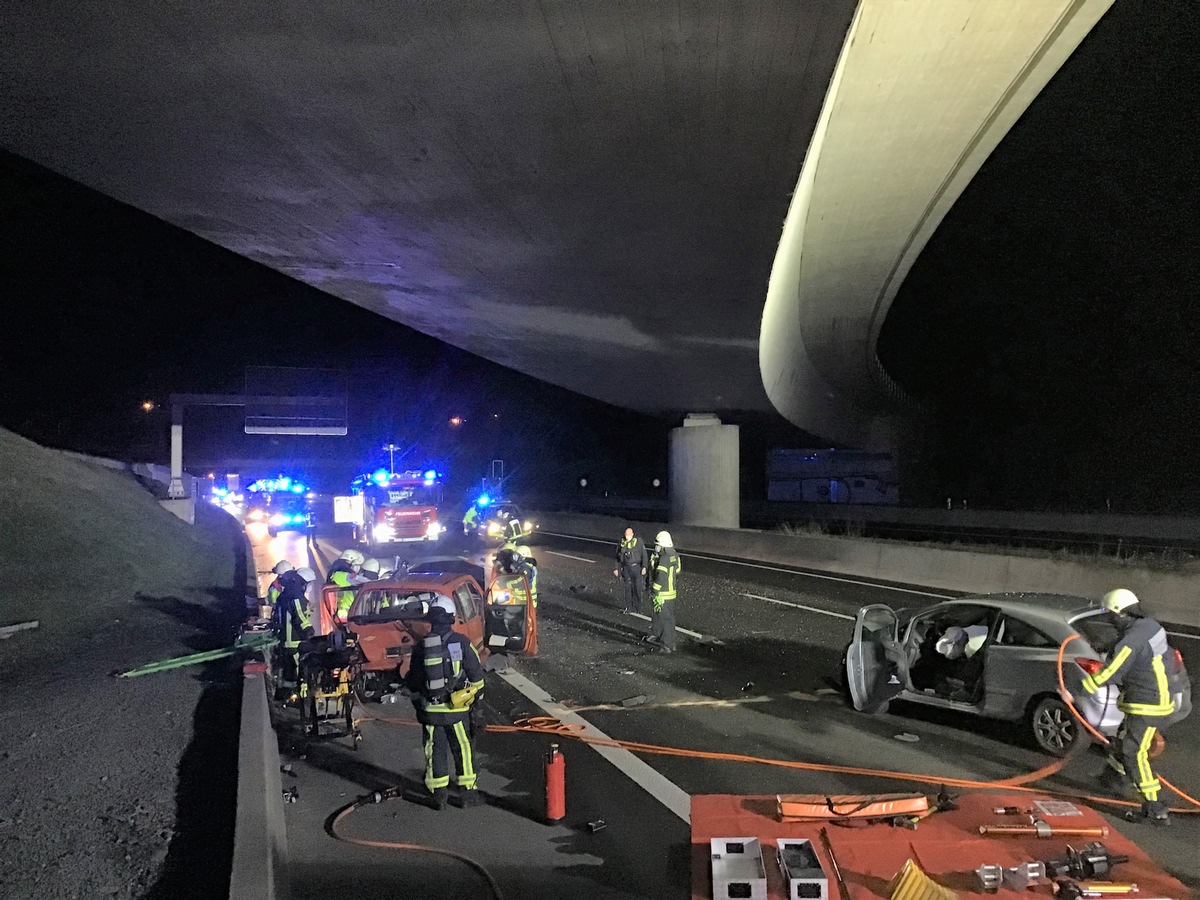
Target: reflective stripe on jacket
[[1138, 664], [666, 571]]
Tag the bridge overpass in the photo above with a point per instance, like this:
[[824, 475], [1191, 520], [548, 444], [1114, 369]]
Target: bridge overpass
[[675, 207]]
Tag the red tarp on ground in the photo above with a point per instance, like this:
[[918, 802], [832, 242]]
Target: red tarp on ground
[[948, 846]]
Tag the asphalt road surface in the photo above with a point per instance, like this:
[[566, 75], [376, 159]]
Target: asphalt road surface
[[756, 676]]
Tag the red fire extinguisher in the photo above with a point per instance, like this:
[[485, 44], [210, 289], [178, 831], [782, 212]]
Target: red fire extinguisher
[[556, 785]]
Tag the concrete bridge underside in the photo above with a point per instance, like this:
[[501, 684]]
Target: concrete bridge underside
[[589, 192]]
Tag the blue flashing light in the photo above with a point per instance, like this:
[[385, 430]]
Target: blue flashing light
[[483, 500], [297, 489], [285, 482], [430, 474], [298, 518], [219, 492], [380, 476]]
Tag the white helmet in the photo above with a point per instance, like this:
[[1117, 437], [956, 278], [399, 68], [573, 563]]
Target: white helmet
[[663, 539], [282, 566], [353, 557], [522, 552], [372, 568], [307, 574], [445, 604], [1119, 600]]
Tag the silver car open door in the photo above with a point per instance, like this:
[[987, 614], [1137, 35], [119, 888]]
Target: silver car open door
[[876, 667]]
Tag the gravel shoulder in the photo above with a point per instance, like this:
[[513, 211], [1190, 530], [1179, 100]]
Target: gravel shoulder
[[113, 787]]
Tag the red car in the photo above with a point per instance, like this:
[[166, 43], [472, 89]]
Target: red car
[[385, 646]]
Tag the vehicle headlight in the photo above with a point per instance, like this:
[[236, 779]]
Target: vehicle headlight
[[433, 530], [494, 528], [384, 532], [257, 515], [280, 519]]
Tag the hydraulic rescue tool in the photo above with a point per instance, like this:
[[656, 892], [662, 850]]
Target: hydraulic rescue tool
[[1093, 860]]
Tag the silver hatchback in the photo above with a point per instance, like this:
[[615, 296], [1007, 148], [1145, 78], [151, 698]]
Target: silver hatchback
[[994, 656]]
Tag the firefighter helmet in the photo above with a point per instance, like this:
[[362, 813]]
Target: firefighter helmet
[[307, 574], [353, 557], [522, 552], [282, 566], [663, 539], [371, 569], [1119, 601]]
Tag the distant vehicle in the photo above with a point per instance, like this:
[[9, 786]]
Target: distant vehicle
[[994, 656], [395, 507], [282, 504], [502, 520]]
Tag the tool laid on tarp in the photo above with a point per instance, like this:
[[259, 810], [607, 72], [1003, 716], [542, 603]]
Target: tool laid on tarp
[[807, 807], [247, 642], [1039, 828]]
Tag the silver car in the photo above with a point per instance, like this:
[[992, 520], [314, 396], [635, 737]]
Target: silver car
[[994, 655]]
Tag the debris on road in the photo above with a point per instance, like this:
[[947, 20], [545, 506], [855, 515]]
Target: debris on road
[[634, 701], [291, 795], [906, 737], [598, 825], [8, 631]]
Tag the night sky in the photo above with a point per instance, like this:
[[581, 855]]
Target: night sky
[[1048, 327]]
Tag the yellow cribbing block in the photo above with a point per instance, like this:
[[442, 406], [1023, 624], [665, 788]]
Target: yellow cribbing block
[[911, 883]]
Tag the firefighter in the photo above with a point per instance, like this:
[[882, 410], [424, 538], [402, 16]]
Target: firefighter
[[444, 677], [375, 570], [632, 562], [1141, 664], [344, 573], [276, 586], [664, 594], [516, 559], [292, 622]]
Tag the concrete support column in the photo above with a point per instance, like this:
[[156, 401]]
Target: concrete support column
[[175, 488], [704, 473]]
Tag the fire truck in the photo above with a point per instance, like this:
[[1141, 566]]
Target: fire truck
[[390, 507]]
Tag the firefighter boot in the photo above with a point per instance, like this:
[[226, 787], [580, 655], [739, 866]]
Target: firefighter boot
[[438, 799], [469, 799], [1152, 811]]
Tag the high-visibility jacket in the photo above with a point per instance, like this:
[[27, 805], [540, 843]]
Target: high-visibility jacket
[[444, 667], [274, 591], [471, 518], [1139, 664], [343, 578], [666, 574]]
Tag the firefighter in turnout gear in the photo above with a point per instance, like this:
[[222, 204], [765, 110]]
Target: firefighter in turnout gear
[[444, 678], [632, 564], [292, 622], [276, 586], [344, 573], [1143, 665], [664, 594]]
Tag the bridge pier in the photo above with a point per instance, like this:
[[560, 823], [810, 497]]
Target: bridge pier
[[704, 473]]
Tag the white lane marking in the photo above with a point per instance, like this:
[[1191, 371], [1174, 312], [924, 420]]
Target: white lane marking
[[824, 612], [738, 562], [648, 779], [569, 556], [695, 634]]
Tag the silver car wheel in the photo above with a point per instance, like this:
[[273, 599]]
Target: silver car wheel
[[1054, 728]]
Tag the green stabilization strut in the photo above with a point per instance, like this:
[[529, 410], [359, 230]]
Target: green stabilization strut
[[246, 643]]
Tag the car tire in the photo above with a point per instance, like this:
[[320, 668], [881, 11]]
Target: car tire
[[1054, 728]]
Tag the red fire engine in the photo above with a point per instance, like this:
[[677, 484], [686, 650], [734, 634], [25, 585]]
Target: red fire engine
[[390, 507]]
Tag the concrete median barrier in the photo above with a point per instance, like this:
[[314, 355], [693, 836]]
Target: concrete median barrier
[[1171, 597], [260, 857]]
